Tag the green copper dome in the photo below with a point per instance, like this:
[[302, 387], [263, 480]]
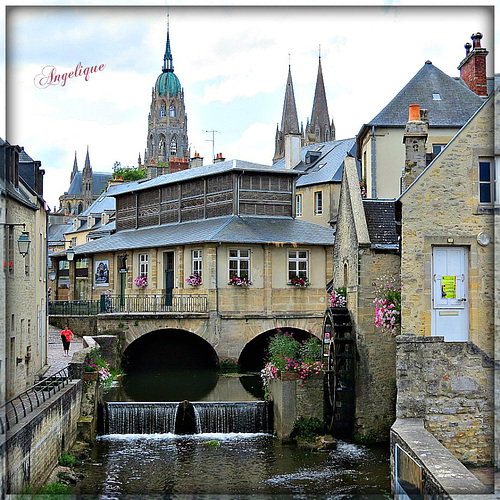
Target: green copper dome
[[168, 83]]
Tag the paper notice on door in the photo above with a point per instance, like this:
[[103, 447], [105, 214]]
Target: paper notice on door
[[449, 287]]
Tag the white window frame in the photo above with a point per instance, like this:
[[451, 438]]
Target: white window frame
[[298, 204], [238, 257], [318, 202], [298, 262], [197, 263], [144, 265], [490, 183]]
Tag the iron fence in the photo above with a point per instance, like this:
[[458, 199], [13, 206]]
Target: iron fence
[[24, 403], [153, 303], [74, 307]]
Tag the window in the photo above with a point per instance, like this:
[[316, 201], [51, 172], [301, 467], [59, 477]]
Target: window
[[143, 265], [487, 182], [239, 263], [318, 202], [172, 111], [298, 205], [436, 97], [163, 110], [11, 250], [298, 264], [173, 146], [437, 148], [196, 263]]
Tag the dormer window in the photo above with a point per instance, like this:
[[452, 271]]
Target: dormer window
[[436, 97]]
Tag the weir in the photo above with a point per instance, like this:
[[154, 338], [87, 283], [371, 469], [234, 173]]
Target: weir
[[211, 417]]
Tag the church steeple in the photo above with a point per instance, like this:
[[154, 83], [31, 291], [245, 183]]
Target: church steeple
[[289, 120], [168, 62], [75, 169], [320, 129], [87, 181]]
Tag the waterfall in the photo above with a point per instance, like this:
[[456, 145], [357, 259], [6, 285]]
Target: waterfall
[[211, 417]]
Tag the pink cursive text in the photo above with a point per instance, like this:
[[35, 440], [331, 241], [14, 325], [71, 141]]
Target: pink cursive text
[[49, 75]]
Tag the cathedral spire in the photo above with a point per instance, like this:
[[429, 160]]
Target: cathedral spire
[[87, 161], [168, 64], [289, 120], [75, 169]]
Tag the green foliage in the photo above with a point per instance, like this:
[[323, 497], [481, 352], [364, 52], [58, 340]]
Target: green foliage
[[283, 347], [310, 350], [121, 325], [228, 366], [128, 173], [66, 460], [212, 444], [307, 428], [56, 488]]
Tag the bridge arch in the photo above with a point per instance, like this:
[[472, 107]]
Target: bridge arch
[[254, 354]]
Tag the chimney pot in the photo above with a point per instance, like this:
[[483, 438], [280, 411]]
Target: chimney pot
[[476, 40], [467, 46], [414, 114]]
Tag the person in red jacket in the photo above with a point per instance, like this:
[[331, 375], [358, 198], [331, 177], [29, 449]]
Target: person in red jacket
[[66, 336]]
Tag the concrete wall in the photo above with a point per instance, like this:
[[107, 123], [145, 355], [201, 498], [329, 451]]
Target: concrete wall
[[450, 386], [33, 446], [292, 400]]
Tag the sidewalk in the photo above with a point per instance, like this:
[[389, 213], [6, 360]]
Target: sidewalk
[[55, 354]]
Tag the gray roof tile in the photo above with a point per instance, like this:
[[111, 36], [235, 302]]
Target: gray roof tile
[[99, 182], [381, 221]]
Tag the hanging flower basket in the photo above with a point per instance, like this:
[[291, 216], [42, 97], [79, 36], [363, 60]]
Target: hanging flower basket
[[301, 281], [141, 281], [237, 281], [338, 297], [193, 279]]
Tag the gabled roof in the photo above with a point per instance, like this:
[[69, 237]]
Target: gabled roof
[[381, 221], [99, 182], [102, 204], [56, 232], [328, 166], [193, 173], [455, 105], [229, 229]]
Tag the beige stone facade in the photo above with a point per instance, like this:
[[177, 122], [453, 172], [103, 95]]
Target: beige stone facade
[[330, 193]]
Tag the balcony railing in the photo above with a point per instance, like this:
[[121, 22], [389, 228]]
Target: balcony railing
[[74, 307]]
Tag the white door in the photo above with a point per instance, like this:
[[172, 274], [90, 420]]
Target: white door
[[450, 293]]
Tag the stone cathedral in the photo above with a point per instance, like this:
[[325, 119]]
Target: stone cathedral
[[167, 143]]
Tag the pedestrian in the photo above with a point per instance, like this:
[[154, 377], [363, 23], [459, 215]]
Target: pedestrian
[[66, 336]]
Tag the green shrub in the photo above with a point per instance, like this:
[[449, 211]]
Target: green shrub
[[307, 428], [310, 350], [67, 460], [228, 366], [283, 347], [56, 488]]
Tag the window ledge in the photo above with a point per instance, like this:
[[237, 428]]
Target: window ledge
[[486, 209]]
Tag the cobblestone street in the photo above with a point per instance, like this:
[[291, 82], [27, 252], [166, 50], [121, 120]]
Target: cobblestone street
[[55, 354]]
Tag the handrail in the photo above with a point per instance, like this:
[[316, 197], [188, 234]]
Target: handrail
[[24, 403]]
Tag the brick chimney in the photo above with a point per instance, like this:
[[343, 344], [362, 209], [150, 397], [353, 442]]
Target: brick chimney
[[196, 161], [473, 67], [219, 158], [414, 139]]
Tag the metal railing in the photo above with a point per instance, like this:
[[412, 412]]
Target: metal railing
[[153, 303], [24, 403], [74, 307]]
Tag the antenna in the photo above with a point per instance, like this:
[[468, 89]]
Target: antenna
[[320, 51], [212, 140]]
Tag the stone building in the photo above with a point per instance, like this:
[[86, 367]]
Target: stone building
[[167, 147], [450, 103], [23, 348], [365, 259], [85, 187], [447, 278], [226, 224]]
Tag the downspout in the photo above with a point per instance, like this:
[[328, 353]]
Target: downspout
[[374, 183], [217, 277]]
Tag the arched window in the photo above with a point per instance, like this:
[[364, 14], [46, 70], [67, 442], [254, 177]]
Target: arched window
[[317, 132], [80, 208], [163, 109], [161, 145], [69, 208], [173, 146], [172, 110], [346, 274], [327, 135]]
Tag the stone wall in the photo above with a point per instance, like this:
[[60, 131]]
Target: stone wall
[[450, 386], [32, 447], [79, 325], [292, 400]]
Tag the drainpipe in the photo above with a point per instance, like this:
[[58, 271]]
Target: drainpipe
[[217, 277], [374, 184]]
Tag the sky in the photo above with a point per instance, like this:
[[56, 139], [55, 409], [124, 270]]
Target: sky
[[232, 62]]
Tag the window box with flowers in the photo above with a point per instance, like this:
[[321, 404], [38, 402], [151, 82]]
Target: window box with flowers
[[300, 281], [388, 305], [237, 281], [194, 279], [141, 281], [338, 297]]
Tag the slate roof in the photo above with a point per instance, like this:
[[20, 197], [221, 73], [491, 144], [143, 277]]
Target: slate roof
[[328, 167], [25, 157], [456, 105], [105, 202], [381, 221], [99, 182], [229, 229], [56, 232], [193, 173]]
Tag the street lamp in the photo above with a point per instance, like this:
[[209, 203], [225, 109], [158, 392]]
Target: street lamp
[[24, 243], [52, 275], [70, 253]]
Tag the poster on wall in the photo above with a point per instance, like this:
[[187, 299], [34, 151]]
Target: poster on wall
[[102, 273], [449, 287]]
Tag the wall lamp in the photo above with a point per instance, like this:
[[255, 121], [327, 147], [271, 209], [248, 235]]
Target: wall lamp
[[70, 253], [23, 241]]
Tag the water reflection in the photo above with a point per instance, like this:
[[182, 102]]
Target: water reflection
[[193, 385]]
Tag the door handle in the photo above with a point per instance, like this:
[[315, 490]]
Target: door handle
[[464, 299]]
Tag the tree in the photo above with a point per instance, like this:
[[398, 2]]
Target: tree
[[128, 173]]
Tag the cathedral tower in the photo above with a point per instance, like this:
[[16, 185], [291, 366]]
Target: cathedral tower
[[87, 181], [167, 140], [320, 129]]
